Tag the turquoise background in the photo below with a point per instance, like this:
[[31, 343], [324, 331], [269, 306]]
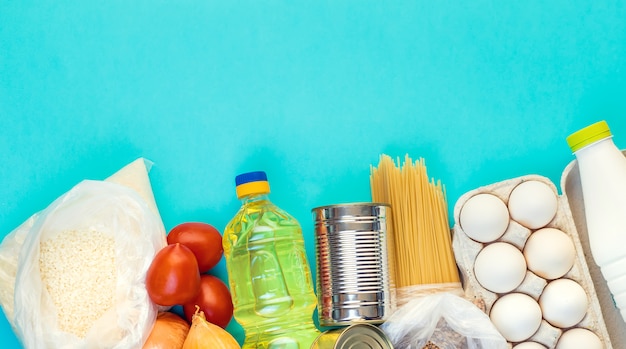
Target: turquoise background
[[311, 92]]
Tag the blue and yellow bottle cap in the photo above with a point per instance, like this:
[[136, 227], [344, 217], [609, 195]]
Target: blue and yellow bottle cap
[[252, 183], [588, 135]]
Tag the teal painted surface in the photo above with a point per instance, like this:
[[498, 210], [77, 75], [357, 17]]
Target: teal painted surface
[[311, 92]]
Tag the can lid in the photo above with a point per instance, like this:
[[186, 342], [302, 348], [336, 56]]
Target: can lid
[[252, 183], [367, 334], [588, 135], [351, 212], [354, 336]]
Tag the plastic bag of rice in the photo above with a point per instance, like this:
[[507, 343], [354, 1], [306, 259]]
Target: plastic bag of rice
[[80, 278]]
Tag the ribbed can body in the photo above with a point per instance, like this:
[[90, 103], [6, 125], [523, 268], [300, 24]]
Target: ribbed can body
[[354, 278]]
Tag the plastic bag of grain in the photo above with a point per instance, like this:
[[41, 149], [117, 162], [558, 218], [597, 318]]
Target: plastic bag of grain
[[80, 274], [442, 321]]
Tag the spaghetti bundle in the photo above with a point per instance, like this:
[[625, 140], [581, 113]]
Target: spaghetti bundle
[[421, 241]]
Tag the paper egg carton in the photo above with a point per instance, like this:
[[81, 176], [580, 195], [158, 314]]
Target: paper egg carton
[[466, 250]]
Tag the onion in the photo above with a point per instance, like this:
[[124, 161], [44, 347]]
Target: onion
[[169, 332], [205, 335]]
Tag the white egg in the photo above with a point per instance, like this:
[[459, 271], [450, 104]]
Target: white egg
[[563, 303], [516, 316], [500, 267], [484, 217], [578, 338], [533, 204], [549, 253], [529, 345]]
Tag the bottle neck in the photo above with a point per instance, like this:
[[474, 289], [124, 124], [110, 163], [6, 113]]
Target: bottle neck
[[254, 198]]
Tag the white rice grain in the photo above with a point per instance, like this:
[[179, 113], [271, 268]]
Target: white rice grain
[[78, 268]]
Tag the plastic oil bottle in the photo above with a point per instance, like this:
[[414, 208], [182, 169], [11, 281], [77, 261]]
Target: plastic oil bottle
[[603, 180], [268, 272]]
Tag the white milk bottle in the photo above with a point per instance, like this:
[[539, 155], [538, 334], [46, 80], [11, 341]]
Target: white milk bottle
[[603, 178]]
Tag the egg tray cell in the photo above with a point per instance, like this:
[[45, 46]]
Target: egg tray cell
[[466, 250]]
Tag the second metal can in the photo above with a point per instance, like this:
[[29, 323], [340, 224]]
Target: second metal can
[[353, 337]]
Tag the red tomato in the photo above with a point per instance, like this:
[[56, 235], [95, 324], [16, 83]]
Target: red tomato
[[202, 239], [173, 277], [214, 300]]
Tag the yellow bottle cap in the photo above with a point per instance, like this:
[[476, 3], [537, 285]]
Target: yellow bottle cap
[[588, 135], [252, 183]]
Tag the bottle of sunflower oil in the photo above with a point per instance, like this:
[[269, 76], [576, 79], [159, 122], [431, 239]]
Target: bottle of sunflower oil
[[268, 272]]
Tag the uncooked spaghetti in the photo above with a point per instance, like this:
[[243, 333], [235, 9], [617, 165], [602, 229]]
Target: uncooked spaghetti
[[421, 243]]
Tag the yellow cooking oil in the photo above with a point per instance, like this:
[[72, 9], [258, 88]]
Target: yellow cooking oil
[[268, 272]]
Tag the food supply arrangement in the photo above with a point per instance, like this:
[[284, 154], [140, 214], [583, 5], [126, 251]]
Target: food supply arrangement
[[97, 268]]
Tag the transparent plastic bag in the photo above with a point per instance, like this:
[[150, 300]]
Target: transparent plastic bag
[[134, 175], [121, 211], [9, 256], [444, 321], [83, 264]]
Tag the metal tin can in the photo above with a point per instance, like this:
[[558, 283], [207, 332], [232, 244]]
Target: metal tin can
[[354, 336], [354, 281]]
